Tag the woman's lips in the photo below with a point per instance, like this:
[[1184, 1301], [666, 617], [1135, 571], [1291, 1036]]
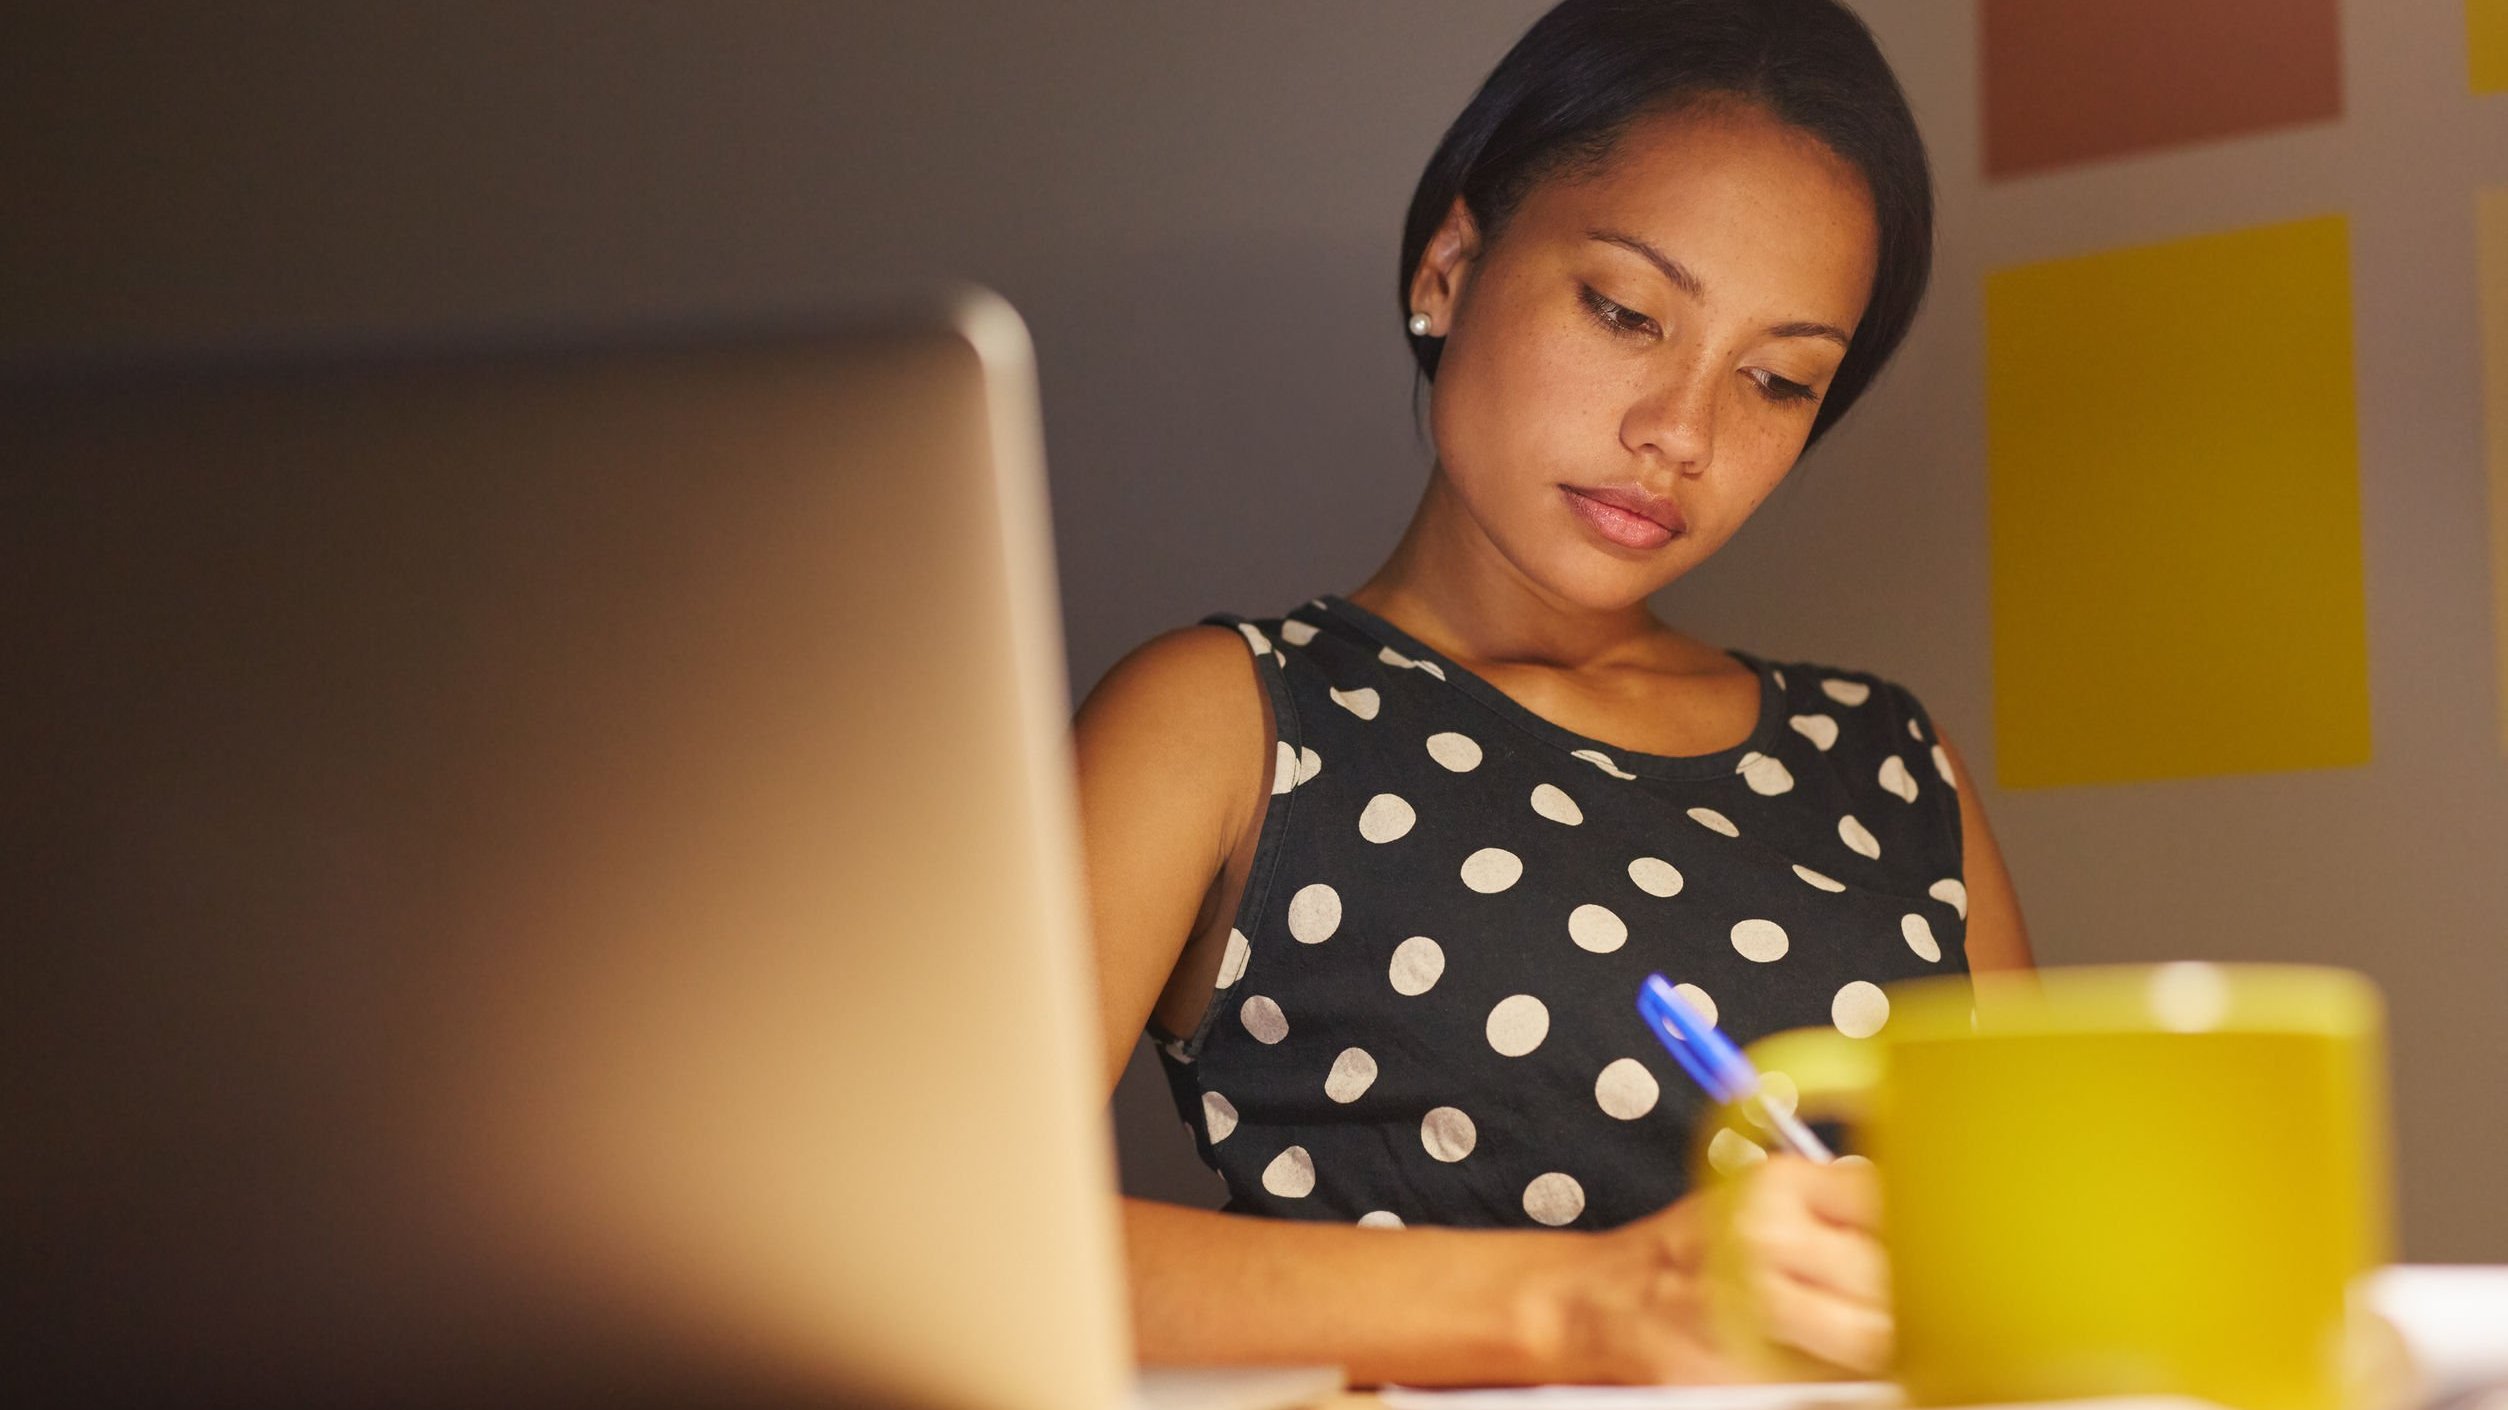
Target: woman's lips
[[1624, 527]]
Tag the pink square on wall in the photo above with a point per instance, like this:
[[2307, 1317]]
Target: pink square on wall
[[2070, 81]]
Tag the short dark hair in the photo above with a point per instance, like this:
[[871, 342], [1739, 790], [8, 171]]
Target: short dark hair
[[1587, 69]]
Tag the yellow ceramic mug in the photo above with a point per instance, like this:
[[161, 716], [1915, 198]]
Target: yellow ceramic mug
[[2116, 1180]]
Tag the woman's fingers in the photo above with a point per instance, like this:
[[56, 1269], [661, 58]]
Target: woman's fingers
[[1845, 1192], [1812, 1265], [1841, 1331], [1817, 1267], [1817, 1223], [1844, 1262]]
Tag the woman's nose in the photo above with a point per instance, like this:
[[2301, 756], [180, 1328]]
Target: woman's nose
[[1675, 419]]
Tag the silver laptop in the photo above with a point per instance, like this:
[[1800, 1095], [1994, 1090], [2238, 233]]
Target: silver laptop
[[547, 876]]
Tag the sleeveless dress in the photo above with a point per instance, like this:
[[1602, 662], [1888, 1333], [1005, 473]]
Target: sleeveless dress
[[1426, 1013]]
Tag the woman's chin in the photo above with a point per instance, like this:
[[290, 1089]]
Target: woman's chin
[[1602, 587]]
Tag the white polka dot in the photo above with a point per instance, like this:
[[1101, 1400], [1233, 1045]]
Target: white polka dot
[[1491, 870], [1254, 637], [1919, 933], [1815, 879], [1857, 837], [1626, 1090], [1552, 802], [1951, 892], [1777, 1096], [1219, 1116], [1297, 633], [1284, 772], [1232, 960], [1698, 1000], [1601, 761], [1655, 876], [1362, 702], [1714, 821], [1392, 657], [1457, 752], [1846, 692], [1780, 677], [1896, 778], [1915, 733], [1766, 774], [1554, 1199], [1279, 660], [1310, 764], [1518, 1024], [1386, 819], [1291, 1174], [1314, 913], [1431, 668], [1731, 1151], [1262, 1017], [1447, 1134], [1821, 730], [1942, 766], [1761, 940], [1417, 964], [1380, 1219], [1860, 1009], [1352, 1074], [1595, 928]]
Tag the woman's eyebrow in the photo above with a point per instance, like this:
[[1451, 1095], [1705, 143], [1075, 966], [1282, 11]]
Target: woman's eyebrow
[[1672, 269], [1689, 284]]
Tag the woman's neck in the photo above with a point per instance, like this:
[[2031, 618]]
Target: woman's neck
[[1449, 585]]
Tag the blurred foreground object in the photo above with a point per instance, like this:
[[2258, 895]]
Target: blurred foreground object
[[505, 846], [2137, 1180]]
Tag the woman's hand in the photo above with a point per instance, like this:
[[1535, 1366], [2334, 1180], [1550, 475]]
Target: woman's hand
[[1809, 1259], [1809, 1246]]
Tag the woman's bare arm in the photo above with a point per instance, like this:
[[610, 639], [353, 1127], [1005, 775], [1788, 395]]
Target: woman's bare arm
[[1174, 756], [1997, 937]]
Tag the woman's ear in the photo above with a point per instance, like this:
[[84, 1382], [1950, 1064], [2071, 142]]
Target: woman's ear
[[1437, 285]]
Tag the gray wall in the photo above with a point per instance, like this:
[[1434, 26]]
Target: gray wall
[[1196, 205]]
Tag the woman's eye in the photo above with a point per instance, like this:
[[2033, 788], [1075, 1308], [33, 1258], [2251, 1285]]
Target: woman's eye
[[1618, 318], [1783, 389]]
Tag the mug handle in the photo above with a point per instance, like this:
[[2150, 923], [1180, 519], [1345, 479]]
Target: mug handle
[[1834, 1077]]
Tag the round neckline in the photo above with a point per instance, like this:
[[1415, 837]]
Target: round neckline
[[1506, 707]]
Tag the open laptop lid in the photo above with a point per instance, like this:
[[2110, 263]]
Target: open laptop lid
[[547, 875]]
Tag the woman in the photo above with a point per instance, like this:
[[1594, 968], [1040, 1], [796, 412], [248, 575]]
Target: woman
[[1383, 873]]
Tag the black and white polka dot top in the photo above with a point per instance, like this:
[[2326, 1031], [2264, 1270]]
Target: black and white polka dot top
[[1427, 1010]]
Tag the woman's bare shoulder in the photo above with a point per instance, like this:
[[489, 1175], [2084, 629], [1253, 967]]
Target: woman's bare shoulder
[[1192, 683], [1179, 723]]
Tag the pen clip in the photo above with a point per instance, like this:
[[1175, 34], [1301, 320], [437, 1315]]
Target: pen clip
[[1717, 1066], [1705, 1054]]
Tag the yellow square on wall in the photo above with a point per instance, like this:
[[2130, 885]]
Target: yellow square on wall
[[2486, 44], [2173, 480]]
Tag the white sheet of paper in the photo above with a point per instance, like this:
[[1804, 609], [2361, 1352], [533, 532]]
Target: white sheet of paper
[[2453, 1317], [1809, 1395], [1806, 1395]]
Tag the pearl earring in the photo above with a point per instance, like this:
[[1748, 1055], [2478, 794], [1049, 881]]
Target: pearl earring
[[1419, 325]]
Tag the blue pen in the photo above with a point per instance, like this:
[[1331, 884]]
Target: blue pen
[[1718, 1067]]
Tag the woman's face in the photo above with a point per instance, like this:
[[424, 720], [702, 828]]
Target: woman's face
[[1655, 333]]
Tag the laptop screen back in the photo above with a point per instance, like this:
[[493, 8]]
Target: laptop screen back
[[547, 876]]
